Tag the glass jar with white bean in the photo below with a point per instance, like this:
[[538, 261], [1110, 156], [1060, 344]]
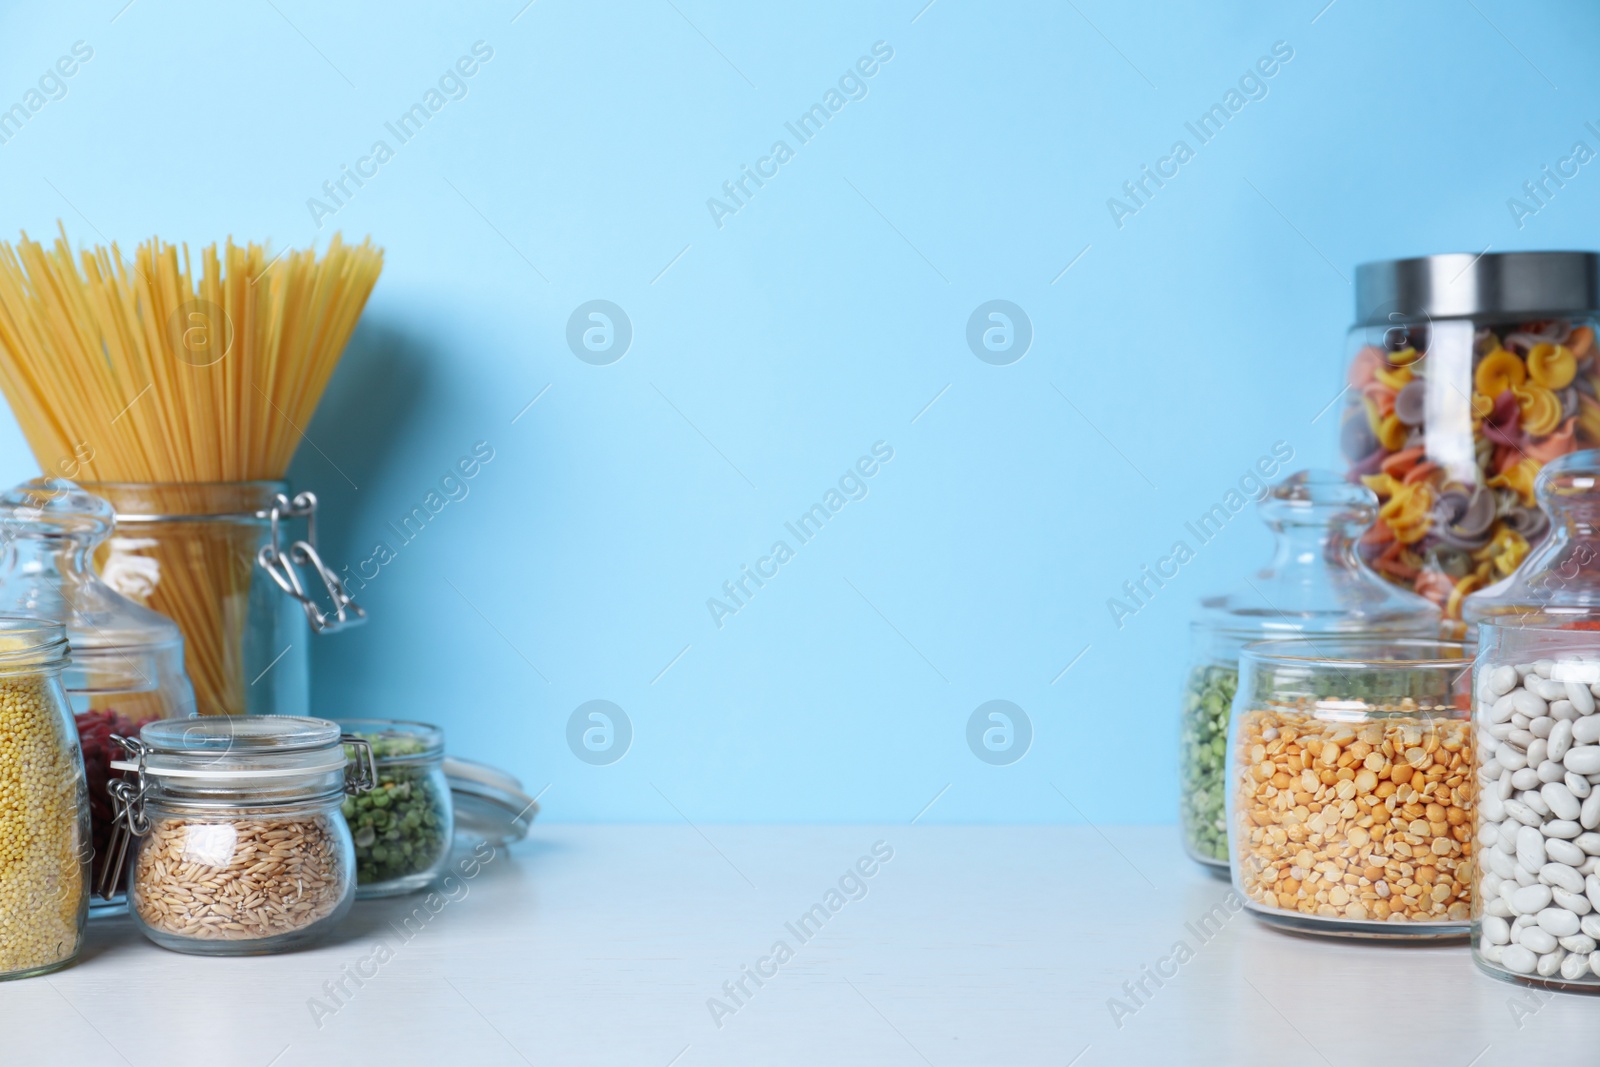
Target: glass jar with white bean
[[1350, 787], [1537, 918]]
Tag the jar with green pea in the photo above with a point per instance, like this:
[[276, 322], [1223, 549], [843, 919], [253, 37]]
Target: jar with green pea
[[402, 827], [1315, 584]]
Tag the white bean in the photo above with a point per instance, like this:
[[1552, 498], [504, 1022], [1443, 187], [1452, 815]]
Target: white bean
[[1564, 852], [1586, 731], [1522, 813], [1561, 801], [1574, 967], [1576, 903], [1519, 959], [1578, 784], [1581, 696], [1530, 900], [1557, 922], [1496, 930], [1590, 815], [1584, 759], [1560, 739], [1536, 939]]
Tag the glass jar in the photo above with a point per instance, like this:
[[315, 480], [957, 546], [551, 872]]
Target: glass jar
[[212, 557], [1314, 584], [44, 806], [402, 827], [241, 845], [1558, 584], [1350, 798], [126, 661], [1538, 821], [1466, 375]]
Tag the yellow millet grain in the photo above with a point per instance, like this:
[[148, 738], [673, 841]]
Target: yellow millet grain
[[42, 891], [1357, 821]]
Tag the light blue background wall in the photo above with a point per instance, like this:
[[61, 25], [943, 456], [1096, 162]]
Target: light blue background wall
[[821, 318]]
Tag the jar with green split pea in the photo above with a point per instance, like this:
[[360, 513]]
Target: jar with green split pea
[[1315, 583], [402, 827]]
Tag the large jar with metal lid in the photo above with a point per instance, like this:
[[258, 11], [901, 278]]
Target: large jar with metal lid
[[241, 845], [1466, 375], [1313, 585]]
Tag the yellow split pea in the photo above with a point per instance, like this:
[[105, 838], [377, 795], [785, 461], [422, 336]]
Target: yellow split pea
[[42, 878], [1361, 821]]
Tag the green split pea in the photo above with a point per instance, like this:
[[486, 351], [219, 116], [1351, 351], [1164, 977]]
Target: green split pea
[[399, 826], [1203, 750]]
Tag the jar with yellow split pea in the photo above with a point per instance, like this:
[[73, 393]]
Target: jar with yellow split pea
[[44, 805], [1351, 787]]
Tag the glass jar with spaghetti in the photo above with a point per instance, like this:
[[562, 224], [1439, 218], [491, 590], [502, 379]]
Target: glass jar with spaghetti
[[1350, 787], [216, 558], [1467, 374]]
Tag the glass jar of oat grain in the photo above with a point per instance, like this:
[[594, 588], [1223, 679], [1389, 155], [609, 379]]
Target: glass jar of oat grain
[[241, 845], [1351, 787]]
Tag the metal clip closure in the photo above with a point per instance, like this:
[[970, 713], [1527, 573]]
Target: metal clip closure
[[285, 567], [129, 819], [361, 773]]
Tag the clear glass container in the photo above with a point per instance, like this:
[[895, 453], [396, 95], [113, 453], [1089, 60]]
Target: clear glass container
[[241, 847], [489, 803], [1351, 788], [127, 661], [1558, 584], [1466, 375], [402, 827], [191, 551], [1314, 584], [1538, 817], [44, 805]]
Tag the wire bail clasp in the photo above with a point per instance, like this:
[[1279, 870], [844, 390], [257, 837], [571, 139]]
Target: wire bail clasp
[[361, 772], [285, 567], [129, 818]]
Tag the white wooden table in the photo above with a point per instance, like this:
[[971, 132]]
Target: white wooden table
[[604, 944]]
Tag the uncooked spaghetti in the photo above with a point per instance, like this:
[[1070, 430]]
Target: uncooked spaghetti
[[164, 370]]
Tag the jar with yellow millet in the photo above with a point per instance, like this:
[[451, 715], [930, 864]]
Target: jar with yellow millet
[[44, 805], [1351, 787]]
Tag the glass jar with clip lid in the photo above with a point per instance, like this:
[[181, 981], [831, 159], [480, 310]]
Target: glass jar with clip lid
[[240, 845]]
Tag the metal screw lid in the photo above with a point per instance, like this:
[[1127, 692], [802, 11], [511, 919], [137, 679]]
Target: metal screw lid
[[1460, 284]]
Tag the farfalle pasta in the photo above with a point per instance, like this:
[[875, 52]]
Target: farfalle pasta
[[1453, 461]]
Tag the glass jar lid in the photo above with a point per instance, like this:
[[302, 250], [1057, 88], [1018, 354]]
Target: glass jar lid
[[490, 804], [51, 528], [1558, 584], [237, 747], [1316, 582]]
